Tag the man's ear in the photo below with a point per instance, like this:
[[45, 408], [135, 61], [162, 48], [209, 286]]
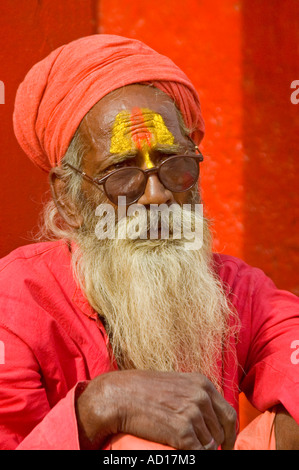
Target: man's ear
[[66, 208]]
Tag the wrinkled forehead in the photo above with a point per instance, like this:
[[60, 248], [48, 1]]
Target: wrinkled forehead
[[99, 123]]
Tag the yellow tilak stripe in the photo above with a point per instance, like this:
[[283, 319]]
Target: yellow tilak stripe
[[147, 158]]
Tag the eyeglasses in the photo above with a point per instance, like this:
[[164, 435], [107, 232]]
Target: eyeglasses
[[177, 173]]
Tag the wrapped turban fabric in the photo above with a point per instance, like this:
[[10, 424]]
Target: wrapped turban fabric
[[59, 91]]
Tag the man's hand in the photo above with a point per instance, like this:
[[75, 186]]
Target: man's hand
[[286, 431], [183, 411]]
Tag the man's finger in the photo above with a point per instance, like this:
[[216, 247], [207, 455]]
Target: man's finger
[[228, 421], [213, 424], [203, 434], [227, 418]]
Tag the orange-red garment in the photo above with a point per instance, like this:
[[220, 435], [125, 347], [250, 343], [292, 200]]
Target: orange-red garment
[[258, 435], [54, 343], [129, 442], [59, 90]]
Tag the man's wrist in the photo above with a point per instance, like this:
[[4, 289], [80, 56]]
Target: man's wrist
[[97, 415]]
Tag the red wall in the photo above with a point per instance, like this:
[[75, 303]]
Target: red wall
[[242, 56]]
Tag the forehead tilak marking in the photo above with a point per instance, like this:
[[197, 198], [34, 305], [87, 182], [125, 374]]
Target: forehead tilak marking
[[146, 129]]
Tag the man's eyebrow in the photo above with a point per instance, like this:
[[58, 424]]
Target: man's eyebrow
[[169, 148], [112, 158]]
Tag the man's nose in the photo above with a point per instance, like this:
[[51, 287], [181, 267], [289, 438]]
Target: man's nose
[[156, 193]]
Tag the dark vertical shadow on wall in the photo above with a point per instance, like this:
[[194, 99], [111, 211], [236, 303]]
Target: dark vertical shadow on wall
[[271, 138]]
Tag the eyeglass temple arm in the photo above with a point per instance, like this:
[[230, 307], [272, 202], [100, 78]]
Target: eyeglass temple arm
[[195, 146], [80, 172]]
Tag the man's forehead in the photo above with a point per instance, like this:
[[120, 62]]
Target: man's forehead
[[100, 121]]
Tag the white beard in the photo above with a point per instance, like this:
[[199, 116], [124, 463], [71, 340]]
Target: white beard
[[163, 306]]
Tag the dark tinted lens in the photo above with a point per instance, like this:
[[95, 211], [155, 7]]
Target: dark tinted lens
[[179, 174], [129, 182]]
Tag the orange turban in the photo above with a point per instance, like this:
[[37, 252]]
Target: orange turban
[[59, 91]]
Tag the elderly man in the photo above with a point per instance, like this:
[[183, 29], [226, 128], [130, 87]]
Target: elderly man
[[133, 335]]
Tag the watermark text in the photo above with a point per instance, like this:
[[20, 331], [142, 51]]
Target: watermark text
[[2, 93], [295, 354], [159, 221], [2, 353], [295, 94]]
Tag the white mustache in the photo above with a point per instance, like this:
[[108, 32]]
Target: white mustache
[[159, 222]]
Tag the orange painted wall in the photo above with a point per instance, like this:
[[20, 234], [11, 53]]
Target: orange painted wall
[[242, 56]]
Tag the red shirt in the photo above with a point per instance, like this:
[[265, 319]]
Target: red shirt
[[51, 341]]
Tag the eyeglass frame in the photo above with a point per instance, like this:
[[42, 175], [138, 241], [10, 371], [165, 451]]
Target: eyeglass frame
[[147, 172]]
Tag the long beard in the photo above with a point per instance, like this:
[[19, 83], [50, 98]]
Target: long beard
[[162, 305]]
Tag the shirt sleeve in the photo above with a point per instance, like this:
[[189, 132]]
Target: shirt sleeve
[[272, 366], [27, 422]]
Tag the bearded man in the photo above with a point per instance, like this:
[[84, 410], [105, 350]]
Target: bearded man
[[139, 336]]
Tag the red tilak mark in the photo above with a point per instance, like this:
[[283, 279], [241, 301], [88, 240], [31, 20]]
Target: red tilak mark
[[139, 130]]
